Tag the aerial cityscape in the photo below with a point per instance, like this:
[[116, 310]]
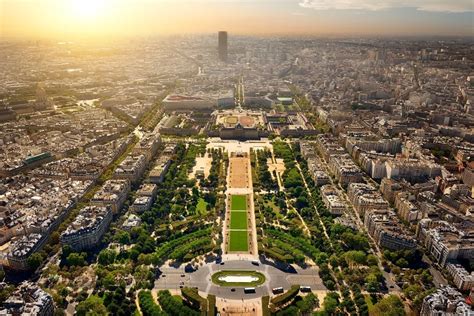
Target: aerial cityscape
[[231, 172]]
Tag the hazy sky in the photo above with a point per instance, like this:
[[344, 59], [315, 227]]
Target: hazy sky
[[87, 18]]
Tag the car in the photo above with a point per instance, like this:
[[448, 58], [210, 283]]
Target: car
[[249, 290], [277, 290], [255, 263], [163, 275], [181, 286], [182, 275], [222, 263], [232, 290]]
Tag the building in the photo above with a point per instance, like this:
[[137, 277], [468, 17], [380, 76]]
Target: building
[[365, 197], [332, 201], [222, 46], [319, 176], [444, 242], [22, 248], [28, 299], [463, 280], [406, 209], [384, 227], [412, 171], [445, 301], [468, 174], [88, 228], [131, 168], [113, 193], [148, 146], [7, 114], [142, 204], [148, 189], [131, 221], [157, 174], [188, 103], [344, 169]]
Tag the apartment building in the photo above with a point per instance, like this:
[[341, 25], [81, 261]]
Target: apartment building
[[88, 228]]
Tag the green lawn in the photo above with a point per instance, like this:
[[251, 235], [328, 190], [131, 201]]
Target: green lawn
[[368, 301], [238, 220], [201, 206], [238, 240], [238, 202]]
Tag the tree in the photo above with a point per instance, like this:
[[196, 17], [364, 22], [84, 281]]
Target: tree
[[66, 251], [402, 262], [35, 260], [289, 311], [308, 303], [372, 260], [412, 291], [123, 237], [106, 257], [76, 259], [355, 257], [389, 306], [301, 202], [54, 238], [331, 303], [93, 305], [372, 283]]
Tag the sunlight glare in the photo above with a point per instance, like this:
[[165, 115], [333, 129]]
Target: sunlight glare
[[88, 9]]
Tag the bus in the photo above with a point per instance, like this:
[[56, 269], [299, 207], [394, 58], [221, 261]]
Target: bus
[[249, 290], [277, 290]]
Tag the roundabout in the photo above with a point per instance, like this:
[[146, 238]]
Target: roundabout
[[238, 278]]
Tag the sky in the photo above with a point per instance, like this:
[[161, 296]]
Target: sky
[[128, 18]]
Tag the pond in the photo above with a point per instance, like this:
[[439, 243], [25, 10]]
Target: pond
[[238, 278]]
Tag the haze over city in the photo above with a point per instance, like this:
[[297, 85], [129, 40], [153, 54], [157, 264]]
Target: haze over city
[[236, 157], [124, 18]]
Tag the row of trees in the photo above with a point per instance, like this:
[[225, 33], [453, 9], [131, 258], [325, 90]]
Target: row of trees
[[190, 242], [148, 306], [264, 177], [174, 306]]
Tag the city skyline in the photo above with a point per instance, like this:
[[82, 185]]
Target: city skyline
[[236, 157], [118, 18]]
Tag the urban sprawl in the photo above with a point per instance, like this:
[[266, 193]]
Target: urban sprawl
[[232, 175]]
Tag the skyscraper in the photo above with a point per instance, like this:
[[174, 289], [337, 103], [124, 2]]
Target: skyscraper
[[222, 35]]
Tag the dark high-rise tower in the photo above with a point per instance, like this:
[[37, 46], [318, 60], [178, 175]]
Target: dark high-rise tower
[[222, 35]]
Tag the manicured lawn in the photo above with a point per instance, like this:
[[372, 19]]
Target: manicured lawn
[[238, 220], [368, 301], [238, 202], [215, 278], [238, 240], [201, 206]]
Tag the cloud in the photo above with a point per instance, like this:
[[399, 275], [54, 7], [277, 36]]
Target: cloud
[[375, 5]]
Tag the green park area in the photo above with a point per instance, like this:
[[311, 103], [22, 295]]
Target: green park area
[[238, 240], [238, 220], [238, 223], [201, 206], [238, 202]]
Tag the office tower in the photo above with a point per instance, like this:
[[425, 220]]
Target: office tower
[[222, 35]]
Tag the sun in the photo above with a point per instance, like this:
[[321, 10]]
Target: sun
[[88, 9]]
